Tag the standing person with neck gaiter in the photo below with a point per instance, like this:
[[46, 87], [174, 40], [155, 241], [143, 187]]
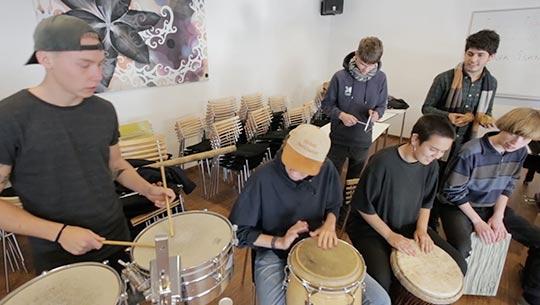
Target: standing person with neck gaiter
[[356, 98]]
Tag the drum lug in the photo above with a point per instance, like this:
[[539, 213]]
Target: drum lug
[[235, 238], [218, 277], [286, 278]]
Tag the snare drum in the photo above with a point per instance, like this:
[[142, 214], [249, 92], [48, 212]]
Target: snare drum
[[324, 277], [427, 278], [204, 242], [76, 284]]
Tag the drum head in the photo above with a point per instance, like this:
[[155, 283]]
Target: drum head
[[77, 284], [198, 237], [434, 277], [333, 268]]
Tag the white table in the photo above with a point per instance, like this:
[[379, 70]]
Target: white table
[[378, 129], [390, 113]]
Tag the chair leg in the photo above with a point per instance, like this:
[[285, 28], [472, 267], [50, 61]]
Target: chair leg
[[19, 253], [345, 221], [200, 164], [244, 269], [4, 252]]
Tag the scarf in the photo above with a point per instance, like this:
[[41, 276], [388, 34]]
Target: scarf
[[355, 72], [454, 99]]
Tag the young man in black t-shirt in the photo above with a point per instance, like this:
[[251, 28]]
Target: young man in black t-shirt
[[394, 197], [59, 149]]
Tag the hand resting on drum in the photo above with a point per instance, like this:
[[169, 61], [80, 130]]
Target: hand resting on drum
[[401, 243], [484, 231], [424, 241], [497, 224], [78, 241], [326, 234], [156, 193]]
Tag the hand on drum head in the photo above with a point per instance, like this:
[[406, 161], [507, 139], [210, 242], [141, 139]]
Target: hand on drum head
[[498, 227], [157, 193], [298, 228], [401, 243], [485, 232], [424, 241], [78, 241], [326, 236]]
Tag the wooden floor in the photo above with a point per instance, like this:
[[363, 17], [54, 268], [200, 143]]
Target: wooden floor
[[242, 294]]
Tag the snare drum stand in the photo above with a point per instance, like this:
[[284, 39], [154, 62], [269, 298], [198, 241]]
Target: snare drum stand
[[165, 277]]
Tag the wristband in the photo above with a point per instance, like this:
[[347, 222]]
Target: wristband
[[273, 242], [60, 233]]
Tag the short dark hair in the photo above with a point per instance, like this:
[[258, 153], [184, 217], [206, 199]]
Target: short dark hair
[[486, 40], [370, 50], [433, 124]]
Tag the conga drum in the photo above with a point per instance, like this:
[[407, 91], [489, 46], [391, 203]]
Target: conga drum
[[427, 278], [82, 283], [324, 277], [204, 241]]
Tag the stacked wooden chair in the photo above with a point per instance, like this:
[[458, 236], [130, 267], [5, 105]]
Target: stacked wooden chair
[[249, 103], [12, 254], [190, 130], [151, 148]]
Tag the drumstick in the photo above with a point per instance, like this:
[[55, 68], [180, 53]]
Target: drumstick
[[367, 123], [127, 243], [164, 182], [196, 157]]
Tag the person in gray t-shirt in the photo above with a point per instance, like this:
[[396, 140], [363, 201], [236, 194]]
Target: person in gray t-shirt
[[59, 149]]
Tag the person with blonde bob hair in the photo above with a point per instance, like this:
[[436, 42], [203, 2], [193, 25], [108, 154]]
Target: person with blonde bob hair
[[481, 179]]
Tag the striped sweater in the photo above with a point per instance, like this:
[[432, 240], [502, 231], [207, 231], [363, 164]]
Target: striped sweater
[[480, 174]]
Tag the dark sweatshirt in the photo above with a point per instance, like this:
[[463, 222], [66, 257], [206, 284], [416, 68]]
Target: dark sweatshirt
[[354, 97], [271, 202]]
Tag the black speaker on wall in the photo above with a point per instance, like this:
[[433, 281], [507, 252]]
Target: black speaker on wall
[[331, 7]]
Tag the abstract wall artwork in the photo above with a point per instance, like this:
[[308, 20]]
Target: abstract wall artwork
[[148, 43]]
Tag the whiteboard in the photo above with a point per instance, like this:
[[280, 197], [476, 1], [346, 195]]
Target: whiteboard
[[516, 65]]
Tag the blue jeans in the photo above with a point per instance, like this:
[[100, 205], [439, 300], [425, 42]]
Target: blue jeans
[[269, 276]]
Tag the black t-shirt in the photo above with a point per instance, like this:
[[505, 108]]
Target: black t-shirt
[[393, 189], [60, 168]]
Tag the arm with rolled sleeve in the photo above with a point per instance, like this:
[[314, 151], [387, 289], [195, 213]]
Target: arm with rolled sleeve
[[329, 103]]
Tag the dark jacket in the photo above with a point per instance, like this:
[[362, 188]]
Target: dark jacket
[[271, 202], [354, 97]]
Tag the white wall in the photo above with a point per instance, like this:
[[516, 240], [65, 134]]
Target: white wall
[[279, 47], [421, 39], [253, 46]]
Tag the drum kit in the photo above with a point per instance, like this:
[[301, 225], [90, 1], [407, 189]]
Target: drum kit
[[194, 267], [191, 268]]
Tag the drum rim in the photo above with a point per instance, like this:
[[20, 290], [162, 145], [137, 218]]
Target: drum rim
[[424, 296], [44, 274], [328, 288], [204, 263]]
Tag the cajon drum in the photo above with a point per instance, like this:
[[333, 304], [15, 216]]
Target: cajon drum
[[485, 266]]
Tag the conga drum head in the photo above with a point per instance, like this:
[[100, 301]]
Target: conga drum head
[[76, 284], [331, 268], [199, 236], [432, 277]]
